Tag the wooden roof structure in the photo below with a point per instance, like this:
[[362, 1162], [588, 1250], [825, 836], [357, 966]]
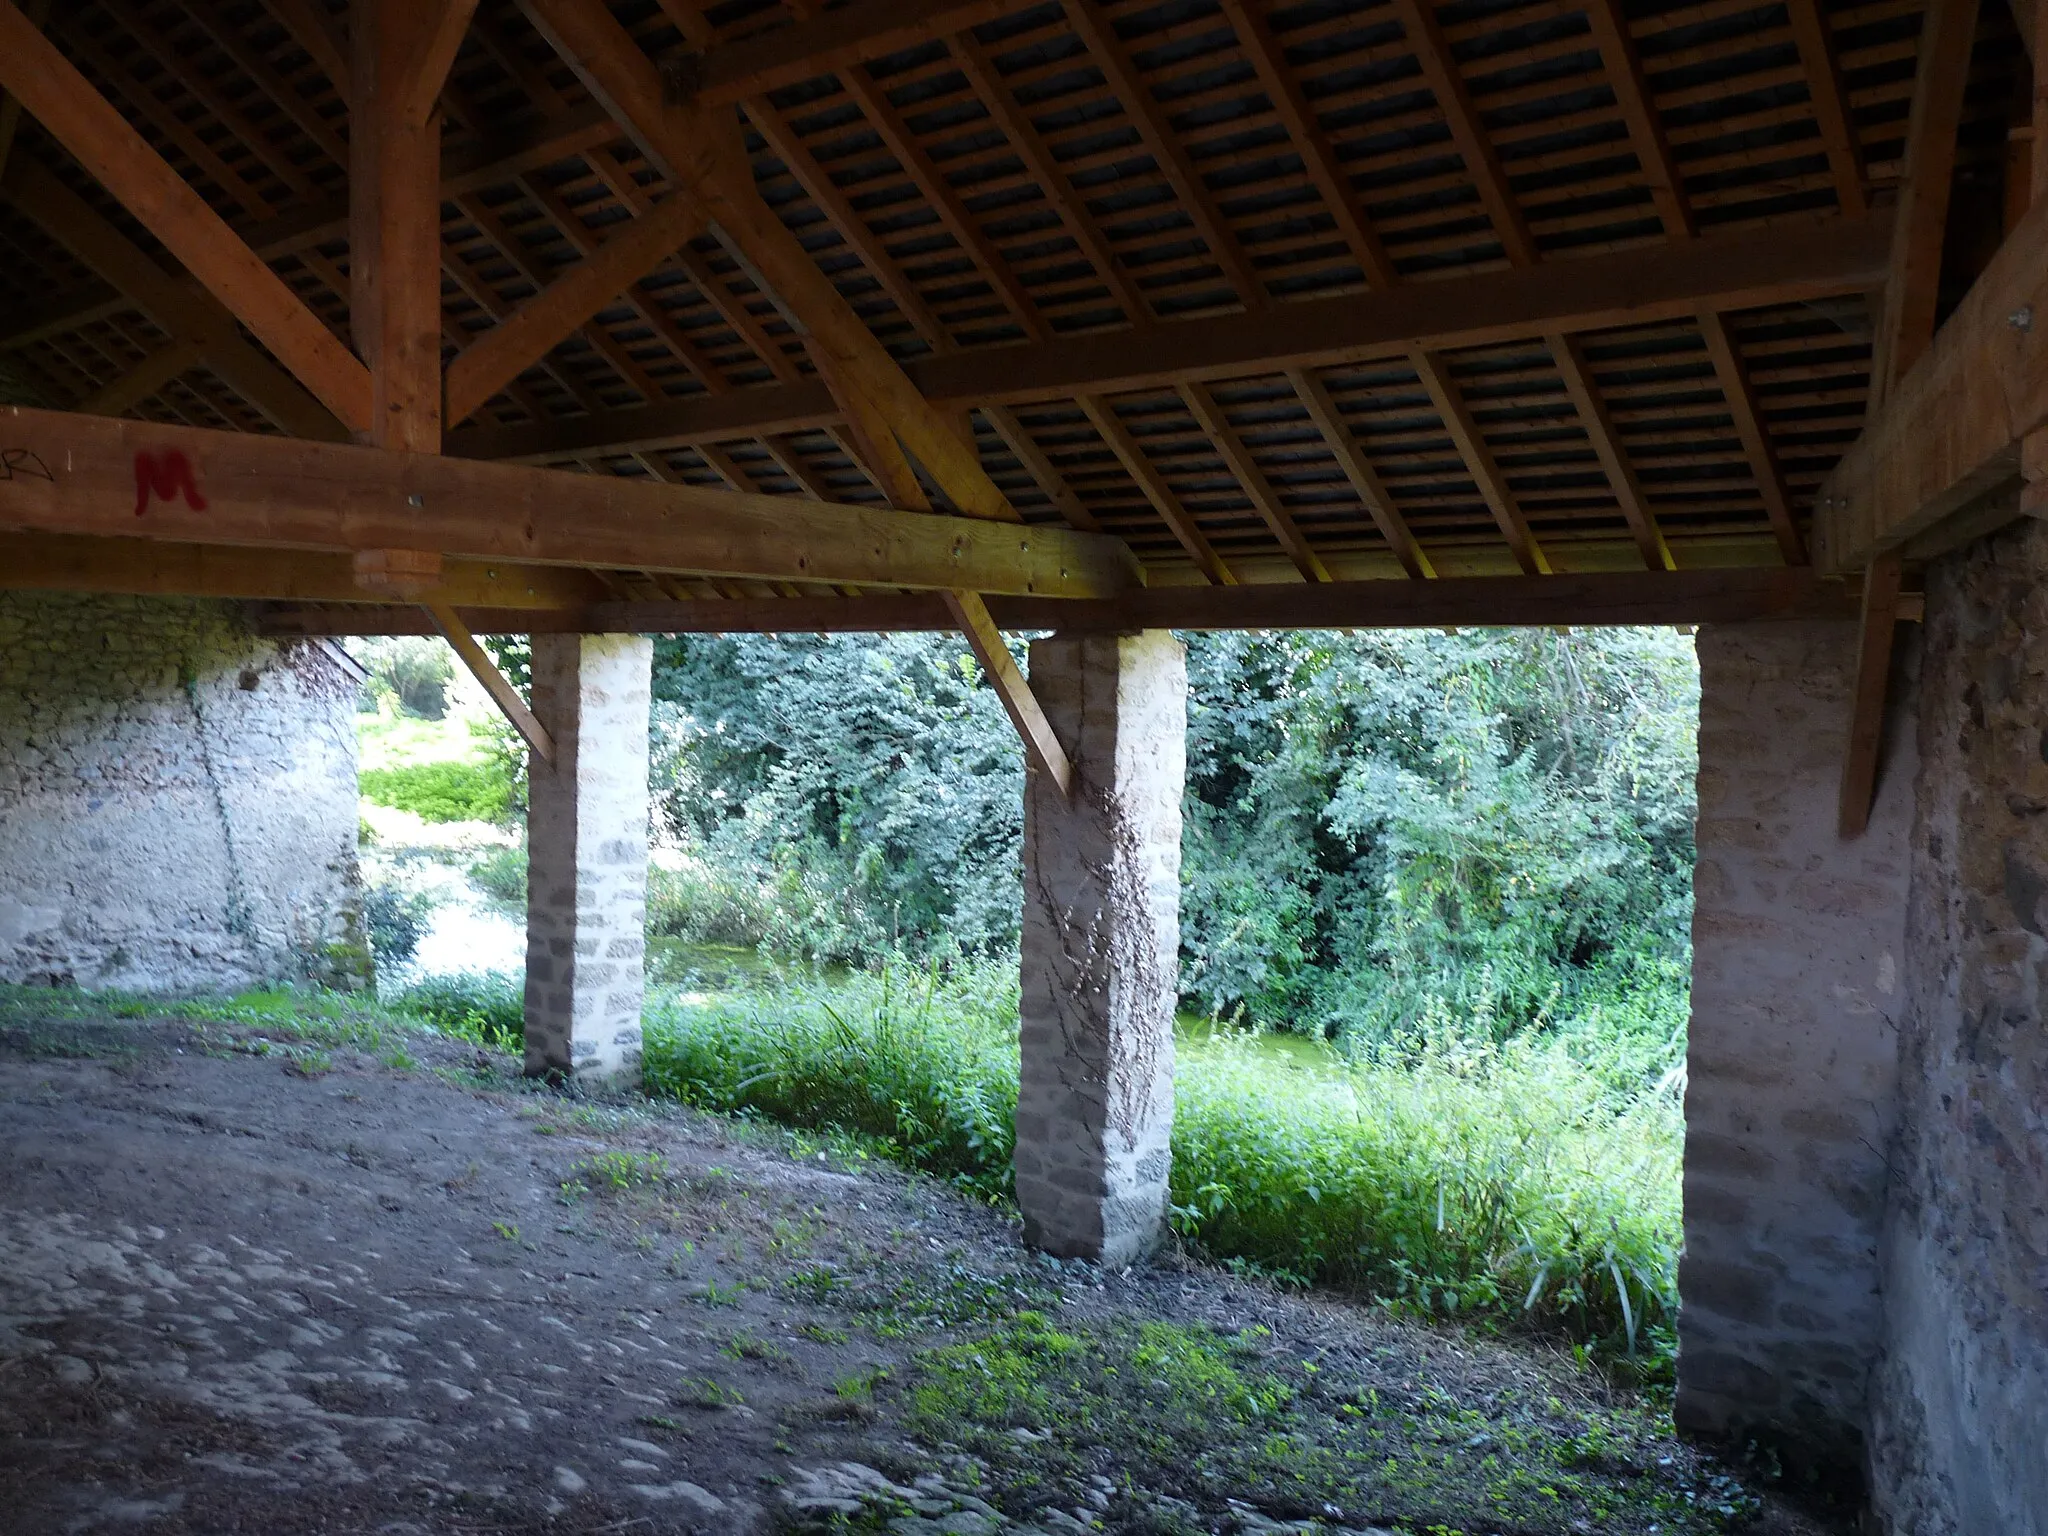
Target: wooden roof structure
[[1207, 294]]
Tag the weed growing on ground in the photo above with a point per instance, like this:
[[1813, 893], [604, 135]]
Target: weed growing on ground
[[1195, 1414]]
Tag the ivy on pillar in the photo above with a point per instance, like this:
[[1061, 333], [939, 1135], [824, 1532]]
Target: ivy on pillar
[[1101, 946]]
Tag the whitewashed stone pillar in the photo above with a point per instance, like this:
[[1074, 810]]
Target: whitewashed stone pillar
[[1101, 946], [586, 886]]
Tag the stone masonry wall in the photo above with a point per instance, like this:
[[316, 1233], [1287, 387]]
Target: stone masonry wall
[[1960, 1406], [1798, 947], [1101, 946], [177, 799]]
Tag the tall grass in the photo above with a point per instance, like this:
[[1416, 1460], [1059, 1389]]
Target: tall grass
[[1525, 1182]]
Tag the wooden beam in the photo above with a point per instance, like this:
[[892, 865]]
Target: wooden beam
[[829, 42], [1618, 598], [314, 30], [185, 313], [395, 218], [1176, 167], [1282, 85], [79, 118], [1783, 264], [1879, 620], [1733, 377], [700, 149], [164, 568], [494, 682], [1358, 469], [434, 31], [1041, 468], [1631, 86], [1257, 488], [1486, 474], [1952, 429], [1042, 747], [1432, 52], [281, 493], [487, 163], [1141, 469], [38, 14], [1621, 475], [1913, 276], [501, 354], [144, 379], [1810, 31]]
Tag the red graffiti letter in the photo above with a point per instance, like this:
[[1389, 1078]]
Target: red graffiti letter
[[166, 474]]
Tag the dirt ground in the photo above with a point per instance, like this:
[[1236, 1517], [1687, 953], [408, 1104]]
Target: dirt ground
[[260, 1278]]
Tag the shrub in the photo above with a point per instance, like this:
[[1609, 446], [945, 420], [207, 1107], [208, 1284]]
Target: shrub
[[501, 874], [444, 791], [411, 670], [702, 903], [477, 1005], [396, 918]]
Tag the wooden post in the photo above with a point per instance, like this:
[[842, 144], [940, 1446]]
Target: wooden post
[[1873, 682]]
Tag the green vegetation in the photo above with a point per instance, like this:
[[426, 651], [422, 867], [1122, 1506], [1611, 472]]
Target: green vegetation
[[1497, 822], [1190, 1416], [1524, 1183], [445, 791]]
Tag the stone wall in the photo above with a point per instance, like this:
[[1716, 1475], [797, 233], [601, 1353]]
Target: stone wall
[[1960, 1407], [177, 798], [1798, 947]]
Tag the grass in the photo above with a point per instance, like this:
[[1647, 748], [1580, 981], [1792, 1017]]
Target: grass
[[1531, 1183], [442, 791], [1192, 1415]]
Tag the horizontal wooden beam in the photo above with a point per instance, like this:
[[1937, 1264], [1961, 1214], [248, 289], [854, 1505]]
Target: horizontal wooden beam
[[1633, 287], [82, 474], [828, 41], [55, 562], [1613, 598], [1950, 432]]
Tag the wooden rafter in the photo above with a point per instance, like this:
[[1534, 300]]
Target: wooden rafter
[[1131, 454], [64, 102], [559, 309], [1733, 376], [1817, 62], [1107, 52], [1304, 128], [1471, 446], [1631, 87], [1566, 353], [1208, 414], [187, 315], [1358, 469]]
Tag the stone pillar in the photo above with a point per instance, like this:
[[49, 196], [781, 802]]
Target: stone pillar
[[1961, 1399], [586, 885], [1101, 946], [1792, 1094]]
